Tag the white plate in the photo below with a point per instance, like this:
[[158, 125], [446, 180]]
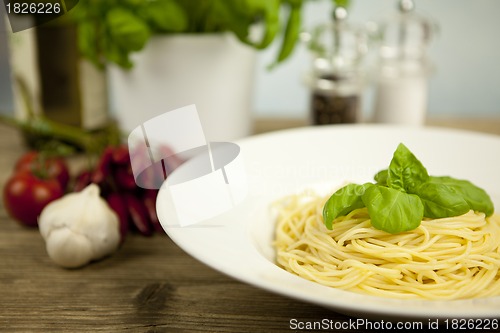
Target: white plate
[[238, 242]]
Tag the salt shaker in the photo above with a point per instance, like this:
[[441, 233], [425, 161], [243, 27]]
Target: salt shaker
[[401, 93], [336, 80]]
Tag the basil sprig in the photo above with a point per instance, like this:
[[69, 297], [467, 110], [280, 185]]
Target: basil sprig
[[112, 30], [404, 194]]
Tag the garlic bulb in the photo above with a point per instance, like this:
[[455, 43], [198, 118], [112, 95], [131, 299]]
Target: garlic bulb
[[79, 227]]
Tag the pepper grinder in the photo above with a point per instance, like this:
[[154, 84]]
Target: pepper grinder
[[335, 80], [401, 93]]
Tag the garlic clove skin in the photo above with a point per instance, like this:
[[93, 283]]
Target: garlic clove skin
[[79, 227], [61, 248]]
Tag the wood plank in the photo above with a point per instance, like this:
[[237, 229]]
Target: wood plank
[[149, 283]]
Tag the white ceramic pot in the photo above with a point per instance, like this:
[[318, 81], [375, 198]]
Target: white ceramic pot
[[212, 71]]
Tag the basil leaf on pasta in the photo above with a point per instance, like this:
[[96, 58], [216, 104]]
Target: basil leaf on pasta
[[391, 210], [342, 202], [381, 177], [440, 200], [476, 197], [405, 193], [405, 172]]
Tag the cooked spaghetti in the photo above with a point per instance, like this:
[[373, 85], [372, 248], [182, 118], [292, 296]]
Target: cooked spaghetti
[[448, 258]]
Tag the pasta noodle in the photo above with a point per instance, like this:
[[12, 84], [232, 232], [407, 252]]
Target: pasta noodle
[[449, 258]]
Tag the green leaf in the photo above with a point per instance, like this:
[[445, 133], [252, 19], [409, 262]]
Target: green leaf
[[477, 198], [291, 35], [295, 3], [128, 31], [202, 16], [128, 24], [441, 201], [164, 16], [118, 55], [406, 172], [239, 15], [381, 177], [230, 15], [391, 210], [342, 202], [87, 42], [341, 3]]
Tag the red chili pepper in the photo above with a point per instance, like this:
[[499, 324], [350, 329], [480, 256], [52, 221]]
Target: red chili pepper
[[149, 198], [103, 168], [124, 177], [117, 204], [138, 214], [82, 180], [121, 155]]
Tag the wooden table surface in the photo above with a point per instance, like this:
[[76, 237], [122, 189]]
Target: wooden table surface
[[148, 285]]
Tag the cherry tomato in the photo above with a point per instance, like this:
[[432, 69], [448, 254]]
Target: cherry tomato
[[25, 195], [53, 167]]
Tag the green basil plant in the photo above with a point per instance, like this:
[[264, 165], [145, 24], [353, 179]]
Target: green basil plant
[[110, 30]]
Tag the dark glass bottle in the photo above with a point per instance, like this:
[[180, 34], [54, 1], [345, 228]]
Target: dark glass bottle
[[334, 102], [336, 80]]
